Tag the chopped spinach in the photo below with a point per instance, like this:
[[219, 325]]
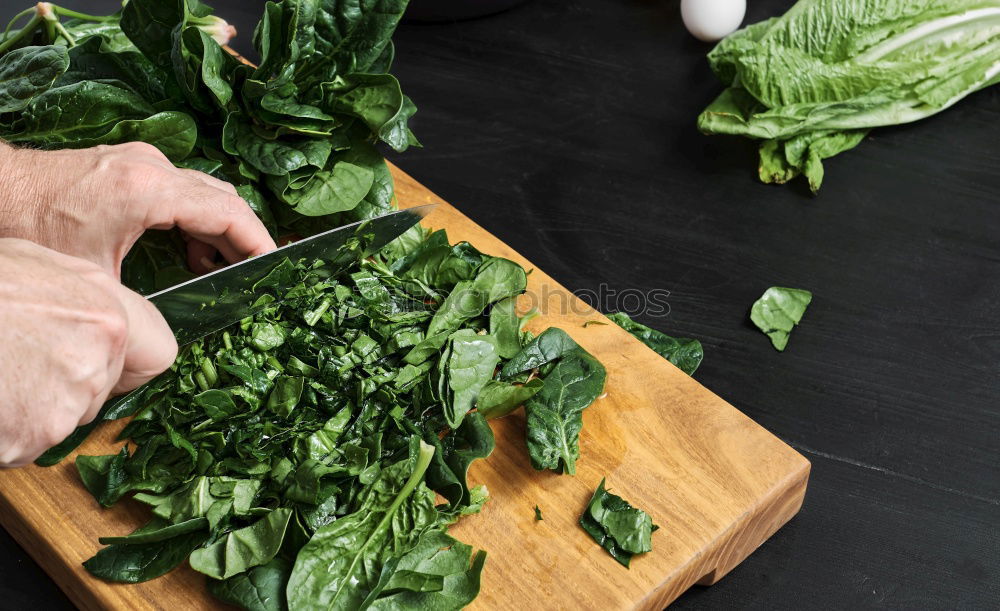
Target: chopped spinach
[[285, 452], [538, 514], [778, 311], [618, 527]]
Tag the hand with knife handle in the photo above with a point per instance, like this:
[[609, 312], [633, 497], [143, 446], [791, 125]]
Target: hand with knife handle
[[71, 333]]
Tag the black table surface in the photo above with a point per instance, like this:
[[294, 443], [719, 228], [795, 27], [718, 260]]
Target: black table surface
[[568, 131]]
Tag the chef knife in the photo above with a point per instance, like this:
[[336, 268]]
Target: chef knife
[[218, 299]]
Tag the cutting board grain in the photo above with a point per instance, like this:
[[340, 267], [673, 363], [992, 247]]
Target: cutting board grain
[[717, 483]]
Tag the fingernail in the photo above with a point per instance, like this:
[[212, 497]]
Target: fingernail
[[209, 265]]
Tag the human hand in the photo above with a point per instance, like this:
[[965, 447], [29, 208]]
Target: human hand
[[72, 335], [95, 203]]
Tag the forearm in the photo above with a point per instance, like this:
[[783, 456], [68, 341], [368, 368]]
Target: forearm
[[18, 202]]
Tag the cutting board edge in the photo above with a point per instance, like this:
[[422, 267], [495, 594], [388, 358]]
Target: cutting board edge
[[736, 543], [48, 559]]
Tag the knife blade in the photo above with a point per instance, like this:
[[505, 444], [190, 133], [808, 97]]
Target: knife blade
[[208, 303]]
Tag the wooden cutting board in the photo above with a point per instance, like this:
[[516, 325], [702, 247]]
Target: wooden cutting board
[[717, 483]]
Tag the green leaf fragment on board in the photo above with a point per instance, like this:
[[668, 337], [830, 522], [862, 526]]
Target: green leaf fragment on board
[[621, 529]]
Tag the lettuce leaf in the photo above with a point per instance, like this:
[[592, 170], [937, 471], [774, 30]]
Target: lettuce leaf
[[811, 83]]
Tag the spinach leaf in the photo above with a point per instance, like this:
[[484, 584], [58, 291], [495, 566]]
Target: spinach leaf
[[499, 279], [115, 408], [135, 563], [538, 514], [243, 548], [505, 327], [217, 404], [354, 35], [286, 395], [622, 530], [28, 72], [157, 530], [778, 311], [550, 345], [378, 101], [84, 110], [339, 187], [471, 361], [261, 588], [105, 476], [214, 498], [448, 472], [437, 573], [686, 354], [497, 399], [150, 25], [334, 569], [555, 414]]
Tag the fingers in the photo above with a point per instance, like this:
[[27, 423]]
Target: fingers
[[210, 210], [211, 181], [201, 256], [151, 347]]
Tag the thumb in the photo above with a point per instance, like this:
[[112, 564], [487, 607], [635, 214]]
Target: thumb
[[151, 347]]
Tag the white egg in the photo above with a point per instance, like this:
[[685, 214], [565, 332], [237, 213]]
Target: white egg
[[712, 20]]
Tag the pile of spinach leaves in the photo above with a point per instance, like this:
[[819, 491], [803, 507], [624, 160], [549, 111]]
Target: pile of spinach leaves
[[297, 135], [294, 457]]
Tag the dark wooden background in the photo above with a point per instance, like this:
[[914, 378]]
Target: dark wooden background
[[567, 129]]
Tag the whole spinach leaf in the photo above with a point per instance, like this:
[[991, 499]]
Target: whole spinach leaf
[[438, 573], [151, 26], [333, 569], [555, 414], [28, 72], [243, 548], [355, 35], [135, 563], [686, 354], [471, 361]]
